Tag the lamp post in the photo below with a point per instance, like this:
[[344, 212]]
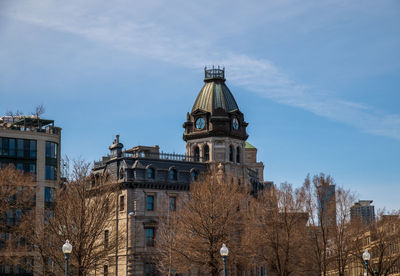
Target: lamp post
[[366, 256], [224, 251], [67, 249]]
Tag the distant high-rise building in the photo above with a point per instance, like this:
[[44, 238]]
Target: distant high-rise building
[[363, 210], [327, 204]]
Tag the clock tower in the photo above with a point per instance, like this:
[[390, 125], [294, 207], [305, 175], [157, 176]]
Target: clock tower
[[215, 129]]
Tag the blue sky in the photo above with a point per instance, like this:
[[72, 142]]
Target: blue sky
[[318, 81]]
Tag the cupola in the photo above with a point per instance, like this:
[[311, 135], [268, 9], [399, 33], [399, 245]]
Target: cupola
[[215, 112]]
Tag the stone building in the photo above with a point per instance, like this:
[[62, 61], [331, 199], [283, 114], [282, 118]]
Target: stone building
[[31, 144], [152, 182]]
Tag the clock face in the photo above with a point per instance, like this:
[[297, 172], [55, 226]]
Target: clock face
[[235, 124], [200, 123]]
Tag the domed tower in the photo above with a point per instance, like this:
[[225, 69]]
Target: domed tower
[[215, 130]]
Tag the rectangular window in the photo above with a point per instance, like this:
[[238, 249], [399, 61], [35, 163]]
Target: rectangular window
[[121, 203], [172, 203], [20, 148], [51, 150], [27, 153], [48, 215], [149, 236], [150, 203], [51, 172], [11, 149], [32, 149], [20, 166], [10, 217], [32, 168], [106, 235], [105, 270], [48, 194], [4, 146], [149, 269]]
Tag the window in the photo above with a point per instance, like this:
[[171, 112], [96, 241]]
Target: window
[[172, 203], [49, 197], [106, 234], [150, 203], [231, 153], [105, 269], [48, 215], [150, 173], [149, 236], [51, 150], [10, 217], [32, 149], [194, 174], [11, 147], [32, 168], [237, 155], [121, 203], [172, 174], [20, 148], [51, 172], [4, 146], [149, 269], [196, 153], [206, 153]]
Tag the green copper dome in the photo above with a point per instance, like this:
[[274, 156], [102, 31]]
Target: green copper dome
[[215, 94]]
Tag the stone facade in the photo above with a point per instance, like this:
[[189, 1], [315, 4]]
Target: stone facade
[[151, 183]]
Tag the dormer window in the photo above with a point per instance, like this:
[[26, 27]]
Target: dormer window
[[150, 173], [194, 175], [172, 174]]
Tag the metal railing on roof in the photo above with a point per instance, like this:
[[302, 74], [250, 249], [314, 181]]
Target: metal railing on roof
[[163, 156], [153, 155]]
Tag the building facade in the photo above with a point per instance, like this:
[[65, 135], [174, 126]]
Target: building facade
[[151, 183], [32, 144]]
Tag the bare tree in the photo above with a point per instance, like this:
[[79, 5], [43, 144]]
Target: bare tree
[[39, 110], [17, 201], [83, 211], [345, 231], [320, 205], [276, 230], [191, 237]]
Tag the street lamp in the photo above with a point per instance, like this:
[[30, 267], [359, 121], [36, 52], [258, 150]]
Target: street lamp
[[224, 251], [366, 256], [67, 249]]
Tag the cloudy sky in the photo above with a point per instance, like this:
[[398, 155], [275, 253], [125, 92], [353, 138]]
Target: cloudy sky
[[318, 81]]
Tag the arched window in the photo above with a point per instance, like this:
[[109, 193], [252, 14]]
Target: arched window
[[150, 173], [172, 174], [194, 174], [206, 153], [237, 155], [196, 153], [231, 153], [121, 173]]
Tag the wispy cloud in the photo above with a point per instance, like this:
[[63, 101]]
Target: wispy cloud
[[163, 39]]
